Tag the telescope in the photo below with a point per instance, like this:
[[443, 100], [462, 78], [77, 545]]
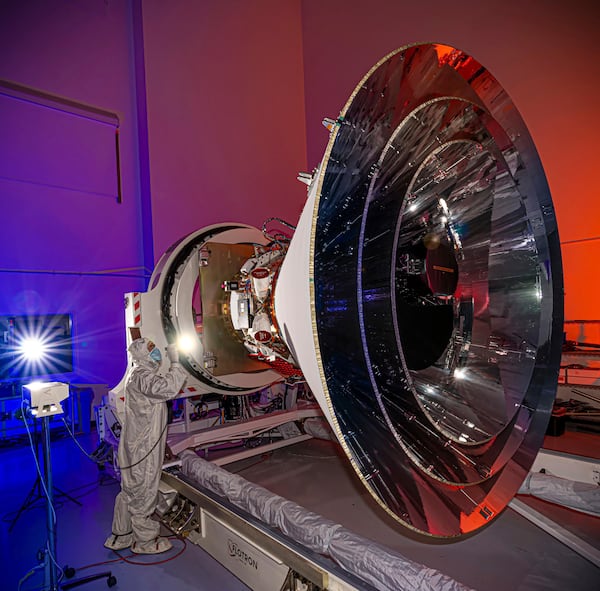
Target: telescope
[[420, 296]]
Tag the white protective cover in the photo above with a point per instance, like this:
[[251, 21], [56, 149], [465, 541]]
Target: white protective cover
[[374, 564], [580, 496], [318, 428]]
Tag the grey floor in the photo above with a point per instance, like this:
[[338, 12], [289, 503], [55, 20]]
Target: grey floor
[[511, 554]]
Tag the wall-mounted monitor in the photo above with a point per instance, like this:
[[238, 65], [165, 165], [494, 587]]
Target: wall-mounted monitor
[[35, 346]]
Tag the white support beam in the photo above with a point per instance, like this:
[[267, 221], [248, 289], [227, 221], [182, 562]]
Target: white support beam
[[259, 450], [240, 429]]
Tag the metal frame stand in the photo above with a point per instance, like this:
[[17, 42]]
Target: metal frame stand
[[51, 564], [36, 493]]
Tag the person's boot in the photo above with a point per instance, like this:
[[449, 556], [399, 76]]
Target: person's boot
[[155, 546], [118, 541]]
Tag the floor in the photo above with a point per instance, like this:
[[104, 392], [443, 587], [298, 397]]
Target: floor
[[81, 530], [511, 554]]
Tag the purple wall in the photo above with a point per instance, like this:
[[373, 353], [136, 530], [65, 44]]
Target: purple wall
[[225, 88], [56, 216]]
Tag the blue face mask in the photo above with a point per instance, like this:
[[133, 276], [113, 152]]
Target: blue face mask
[[155, 355]]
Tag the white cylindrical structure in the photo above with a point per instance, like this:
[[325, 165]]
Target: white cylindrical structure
[[293, 306]]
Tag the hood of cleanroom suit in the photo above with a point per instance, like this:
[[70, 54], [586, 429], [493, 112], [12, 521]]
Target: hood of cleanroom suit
[[140, 354], [142, 441]]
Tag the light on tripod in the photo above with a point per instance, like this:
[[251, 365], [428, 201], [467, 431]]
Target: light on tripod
[[44, 401], [45, 397], [33, 349]]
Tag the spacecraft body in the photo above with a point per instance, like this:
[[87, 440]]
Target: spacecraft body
[[420, 296]]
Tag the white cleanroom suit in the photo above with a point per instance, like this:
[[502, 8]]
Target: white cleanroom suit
[[142, 448]]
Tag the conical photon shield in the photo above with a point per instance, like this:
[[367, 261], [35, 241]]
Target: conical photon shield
[[422, 292]]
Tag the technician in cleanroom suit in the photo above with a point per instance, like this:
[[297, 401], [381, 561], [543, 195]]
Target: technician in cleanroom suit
[[142, 448]]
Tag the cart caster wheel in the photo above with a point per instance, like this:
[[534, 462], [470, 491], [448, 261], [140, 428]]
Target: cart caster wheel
[[112, 581], [69, 572]]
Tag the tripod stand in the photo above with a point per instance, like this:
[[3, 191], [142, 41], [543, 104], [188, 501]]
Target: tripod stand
[[36, 493], [51, 565]]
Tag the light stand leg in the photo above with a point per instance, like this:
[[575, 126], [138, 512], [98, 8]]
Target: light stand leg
[[36, 491], [34, 495], [50, 515]]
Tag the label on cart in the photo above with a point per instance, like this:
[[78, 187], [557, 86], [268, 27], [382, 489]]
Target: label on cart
[[246, 560]]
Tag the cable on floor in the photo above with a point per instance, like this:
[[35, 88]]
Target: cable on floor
[[30, 573], [132, 555], [119, 559]]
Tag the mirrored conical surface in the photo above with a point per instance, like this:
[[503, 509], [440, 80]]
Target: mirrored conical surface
[[436, 290]]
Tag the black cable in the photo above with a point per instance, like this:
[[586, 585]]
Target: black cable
[[278, 237], [119, 559], [150, 451], [276, 219], [85, 453]]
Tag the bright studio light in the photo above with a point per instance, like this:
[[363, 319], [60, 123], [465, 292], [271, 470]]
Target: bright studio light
[[33, 349], [185, 343]]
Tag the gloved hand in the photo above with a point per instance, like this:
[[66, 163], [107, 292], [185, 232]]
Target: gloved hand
[[173, 353]]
